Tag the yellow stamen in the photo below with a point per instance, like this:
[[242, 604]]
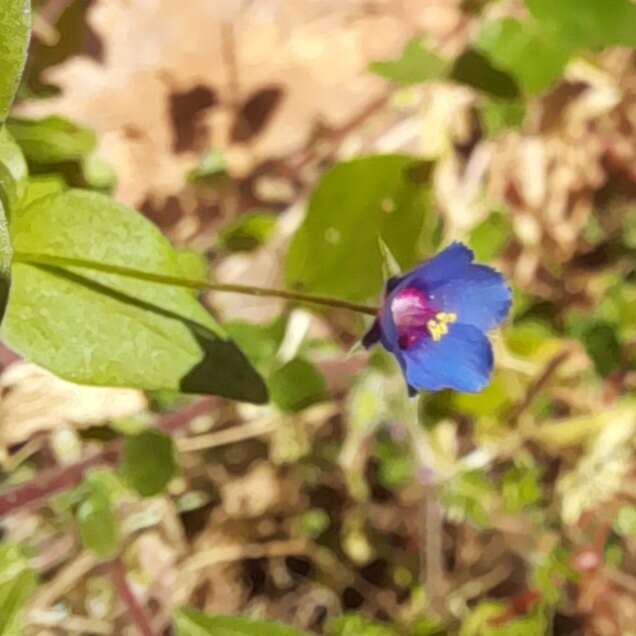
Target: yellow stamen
[[437, 327]]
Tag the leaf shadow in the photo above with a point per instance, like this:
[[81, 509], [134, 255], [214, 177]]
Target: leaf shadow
[[223, 370]]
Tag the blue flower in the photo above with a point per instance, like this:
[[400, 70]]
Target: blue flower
[[434, 320]]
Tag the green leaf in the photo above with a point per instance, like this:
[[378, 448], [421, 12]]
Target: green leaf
[[189, 622], [259, 342], [42, 186], [390, 266], [475, 69], [51, 140], [588, 23], [417, 64], [534, 57], [96, 520], [98, 173], [296, 385], [489, 237], [497, 115], [248, 232], [625, 521], [17, 584], [15, 32], [336, 250], [148, 462], [13, 170], [602, 345], [98, 328]]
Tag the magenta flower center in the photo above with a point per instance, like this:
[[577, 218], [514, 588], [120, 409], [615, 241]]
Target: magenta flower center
[[415, 318], [411, 312]]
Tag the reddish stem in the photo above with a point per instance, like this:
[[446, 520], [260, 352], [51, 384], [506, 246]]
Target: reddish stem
[[36, 492], [136, 612]]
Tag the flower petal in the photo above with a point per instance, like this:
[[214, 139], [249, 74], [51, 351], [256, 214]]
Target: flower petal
[[460, 360], [477, 294], [450, 262]]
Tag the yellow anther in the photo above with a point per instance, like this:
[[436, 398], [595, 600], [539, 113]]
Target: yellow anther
[[434, 329], [437, 327]]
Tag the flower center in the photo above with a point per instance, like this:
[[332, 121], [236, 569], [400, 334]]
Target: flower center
[[415, 318]]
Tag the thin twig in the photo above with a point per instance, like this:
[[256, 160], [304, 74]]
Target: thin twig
[[231, 553], [433, 534], [136, 612], [64, 580], [227, 436], [535, 388], [431, 518]]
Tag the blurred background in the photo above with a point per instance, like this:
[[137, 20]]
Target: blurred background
[[342, 508]]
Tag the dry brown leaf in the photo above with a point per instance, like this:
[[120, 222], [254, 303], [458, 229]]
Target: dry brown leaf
[[269, 57], [34, 401]]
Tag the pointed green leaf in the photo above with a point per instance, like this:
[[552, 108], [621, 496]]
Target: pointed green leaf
[[416, 65], [336, 250], [96, 520], [15, 31], [189, 622], [390, 266], [474, 69], [533, 56], [105, 329]]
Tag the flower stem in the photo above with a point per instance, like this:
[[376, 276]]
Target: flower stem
[[135, 610], [178, 281]]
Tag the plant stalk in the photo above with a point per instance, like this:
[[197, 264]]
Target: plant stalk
[[177, 281]]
